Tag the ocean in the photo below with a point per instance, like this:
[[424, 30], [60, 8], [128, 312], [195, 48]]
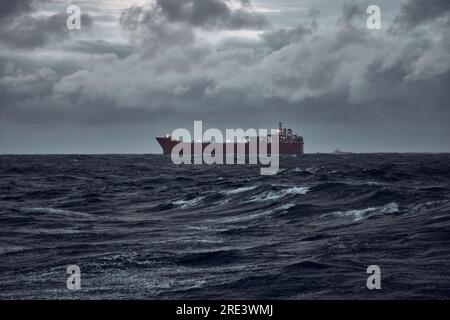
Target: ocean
[[140, 227]]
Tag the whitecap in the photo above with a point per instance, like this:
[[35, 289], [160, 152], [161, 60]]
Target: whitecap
[[238, 190], [390, 208], [362, 214], [188, 203], [280, 194], [308, 170]]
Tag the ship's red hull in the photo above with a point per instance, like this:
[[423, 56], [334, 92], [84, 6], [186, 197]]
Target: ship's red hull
[[168, 144]]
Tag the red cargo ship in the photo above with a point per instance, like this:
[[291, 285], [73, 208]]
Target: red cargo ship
[[289, 143]]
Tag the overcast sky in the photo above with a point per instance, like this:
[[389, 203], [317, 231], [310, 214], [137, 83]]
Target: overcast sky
[[139, 69]]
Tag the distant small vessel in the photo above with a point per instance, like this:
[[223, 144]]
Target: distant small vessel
[[338, 151], [289, 143]]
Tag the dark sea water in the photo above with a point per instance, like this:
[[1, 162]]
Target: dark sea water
[[140, 227]]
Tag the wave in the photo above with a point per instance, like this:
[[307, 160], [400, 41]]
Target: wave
[[306, 265], [7, 249], [255, 216], [362, 214], [276, 195], [238, 190], [305, 171], [57, 212], [211, 258], [329, 187], [188, 203]]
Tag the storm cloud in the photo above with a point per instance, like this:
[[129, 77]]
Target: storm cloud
[[210, 14], [13, 8], [417, 12], [20, 28], [227, 64]]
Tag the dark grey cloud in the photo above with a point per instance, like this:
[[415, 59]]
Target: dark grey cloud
[[208, 14], [211, 14], [352, 12], [153, 31], [21, 29], [26, 31], [14, 8], [416, 12], [173, 23], [281, 38]]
